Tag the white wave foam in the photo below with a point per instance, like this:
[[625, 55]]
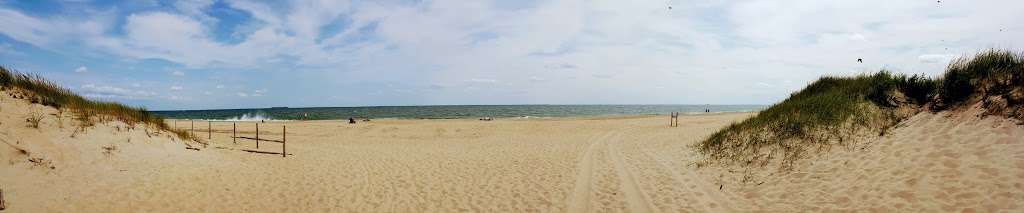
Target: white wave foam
[[258, 116]]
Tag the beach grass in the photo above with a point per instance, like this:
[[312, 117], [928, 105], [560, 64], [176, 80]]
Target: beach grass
[[41, 91], [840, 110], [994, 77]]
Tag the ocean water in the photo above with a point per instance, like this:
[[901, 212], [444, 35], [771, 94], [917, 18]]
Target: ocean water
[[449, 112]]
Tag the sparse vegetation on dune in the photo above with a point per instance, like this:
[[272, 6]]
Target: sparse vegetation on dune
[[40, 91], [839, 110]]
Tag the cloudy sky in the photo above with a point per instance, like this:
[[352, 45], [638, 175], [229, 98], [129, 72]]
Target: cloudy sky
[[202, 54]]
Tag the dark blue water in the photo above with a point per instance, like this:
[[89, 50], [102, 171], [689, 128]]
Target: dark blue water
[[449, 112]]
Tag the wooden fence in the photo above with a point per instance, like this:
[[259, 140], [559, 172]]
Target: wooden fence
[[234, 135]]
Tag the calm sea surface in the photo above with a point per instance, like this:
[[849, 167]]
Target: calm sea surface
[[448, 112]]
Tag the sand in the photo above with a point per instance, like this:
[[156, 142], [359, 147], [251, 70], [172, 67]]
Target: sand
[[945, 162], [610, 164]]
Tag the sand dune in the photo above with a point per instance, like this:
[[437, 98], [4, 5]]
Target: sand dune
[[621, 164], [945, 162]]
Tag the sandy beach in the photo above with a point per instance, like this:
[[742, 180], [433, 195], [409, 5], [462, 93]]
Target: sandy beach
[[550, 165], [607, 164]]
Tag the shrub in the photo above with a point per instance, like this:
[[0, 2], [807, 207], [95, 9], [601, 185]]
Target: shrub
[[918, 88]]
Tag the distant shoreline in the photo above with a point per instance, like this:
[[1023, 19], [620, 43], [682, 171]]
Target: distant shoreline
[[588, 117], [451, 112]]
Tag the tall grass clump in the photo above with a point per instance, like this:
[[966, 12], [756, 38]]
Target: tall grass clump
[[994, 77], [836, 110], [42, 91]]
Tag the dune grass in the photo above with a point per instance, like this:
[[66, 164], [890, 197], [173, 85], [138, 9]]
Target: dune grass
[[87, 112], [836, 110], [995, 78], [832, 109]]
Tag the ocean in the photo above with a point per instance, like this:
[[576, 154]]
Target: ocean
[[449, 111]]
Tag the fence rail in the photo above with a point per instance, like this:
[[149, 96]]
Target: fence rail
[[234, 135]]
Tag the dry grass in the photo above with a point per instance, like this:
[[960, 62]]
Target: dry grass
[[109, 150], [87, 112], [34, 118]]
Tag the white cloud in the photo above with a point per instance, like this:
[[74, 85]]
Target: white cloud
[[579, 43], [482, 80], [242, 94], [105, 91], [219, 86], [53, 33], [935, 58], [437, 86], [81, 69], [178, 73], [603, 75], [176, 88], [258, 93], [560, 66], [194, 8]]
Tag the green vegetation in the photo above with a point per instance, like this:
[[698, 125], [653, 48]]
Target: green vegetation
[[839, 110], [41, 91], [994, 78]]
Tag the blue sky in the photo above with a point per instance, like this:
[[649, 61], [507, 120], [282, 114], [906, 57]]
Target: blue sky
[[202, 54]]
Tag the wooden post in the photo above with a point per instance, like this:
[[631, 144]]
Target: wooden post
[[2, 205], [673, 120], [284, 141], [233, 135], [209, 129], [192, 130], [257, 135]]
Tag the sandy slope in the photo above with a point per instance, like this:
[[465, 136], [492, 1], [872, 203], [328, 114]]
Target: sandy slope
[[635, 164], [941, 162]]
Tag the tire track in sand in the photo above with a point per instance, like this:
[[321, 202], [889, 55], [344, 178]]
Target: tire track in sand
[[581, 196], [602, 174], [635, 197]]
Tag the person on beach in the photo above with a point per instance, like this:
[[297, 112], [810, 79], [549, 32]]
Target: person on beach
[[351, 120]]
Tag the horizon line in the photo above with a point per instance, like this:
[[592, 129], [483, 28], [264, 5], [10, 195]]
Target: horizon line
[[439, 105]]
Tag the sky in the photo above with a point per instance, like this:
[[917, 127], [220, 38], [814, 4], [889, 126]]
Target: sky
[[211, 54]]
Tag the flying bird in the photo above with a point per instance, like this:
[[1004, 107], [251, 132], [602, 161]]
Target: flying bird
[[860, 60]]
